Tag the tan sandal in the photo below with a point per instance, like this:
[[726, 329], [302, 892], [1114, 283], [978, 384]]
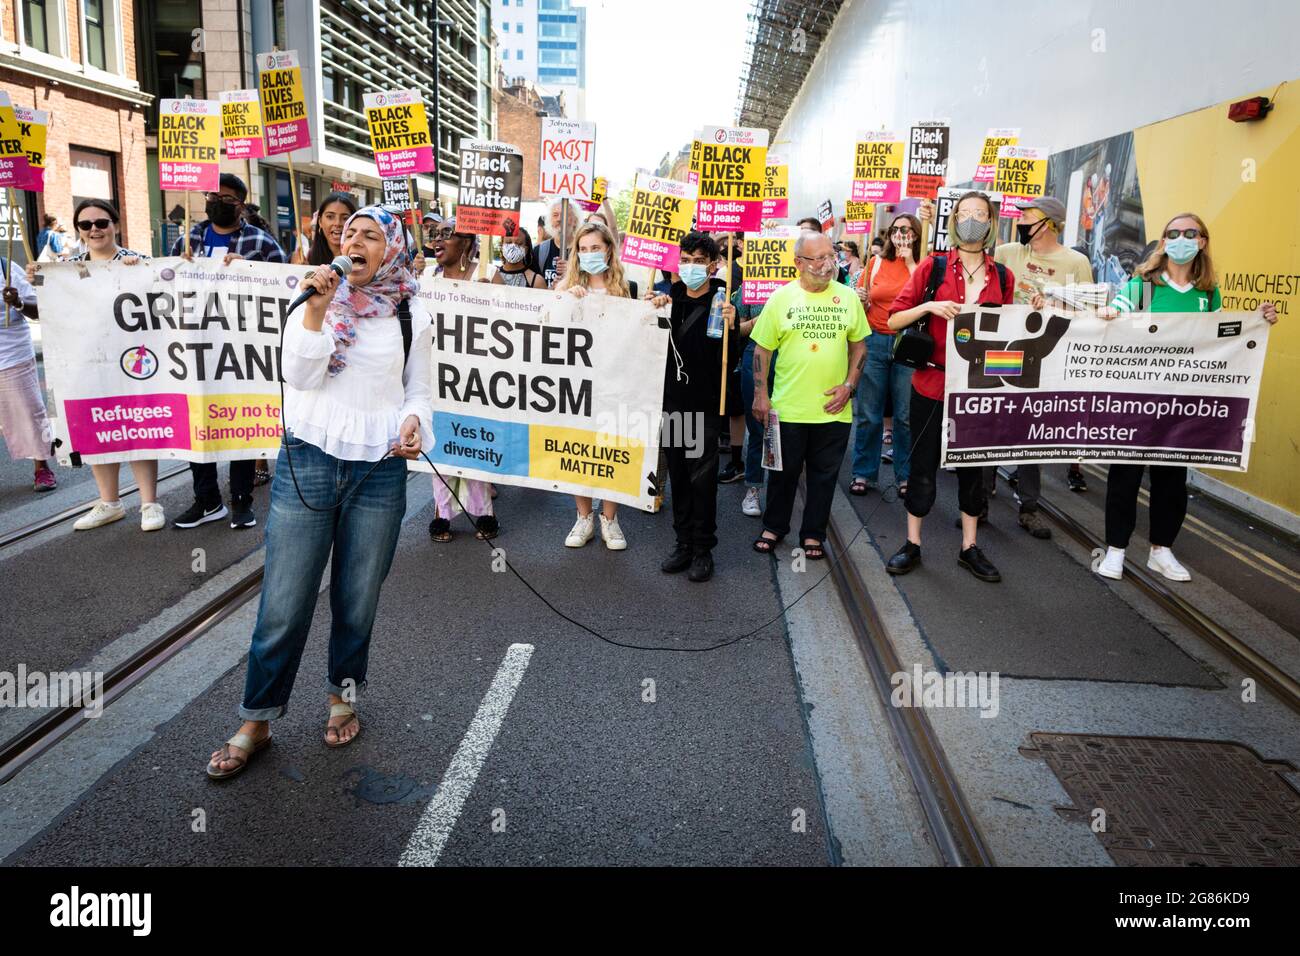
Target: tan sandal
[[244, 743], [342, 710]]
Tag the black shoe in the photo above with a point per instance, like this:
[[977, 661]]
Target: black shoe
[[1033, 522], [729, 473], [984, 519], [905, 559], [198, 514], [1076, 481], [701, 567], [678, 561], [241, 514], [973, 560], [887, 455]]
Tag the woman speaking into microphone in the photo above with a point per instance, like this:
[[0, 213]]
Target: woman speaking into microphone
[[356, 407]]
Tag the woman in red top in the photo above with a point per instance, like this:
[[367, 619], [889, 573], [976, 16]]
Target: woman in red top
[[970, 278], [879, 284]]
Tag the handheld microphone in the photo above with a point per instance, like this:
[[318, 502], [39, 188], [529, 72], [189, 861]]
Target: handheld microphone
[[341, 265]]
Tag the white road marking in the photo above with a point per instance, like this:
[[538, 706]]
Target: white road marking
[[440, 816]]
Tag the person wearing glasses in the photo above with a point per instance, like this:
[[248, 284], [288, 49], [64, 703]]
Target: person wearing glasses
[[96, 221], [817, 328], [969, 276], [225, 234], [1178, 276], [878, 286]]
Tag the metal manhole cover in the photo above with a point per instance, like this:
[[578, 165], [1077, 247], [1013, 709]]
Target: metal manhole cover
[[1172, 802]]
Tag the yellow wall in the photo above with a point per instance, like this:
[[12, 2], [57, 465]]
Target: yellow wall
[[1201, 162]]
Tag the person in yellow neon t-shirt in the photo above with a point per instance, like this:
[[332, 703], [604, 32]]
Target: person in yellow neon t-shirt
[[818, 329]]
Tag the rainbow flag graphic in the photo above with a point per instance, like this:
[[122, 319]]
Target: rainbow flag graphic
[[1004, 363]]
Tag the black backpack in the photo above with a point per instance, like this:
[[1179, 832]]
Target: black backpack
[[914, 345]]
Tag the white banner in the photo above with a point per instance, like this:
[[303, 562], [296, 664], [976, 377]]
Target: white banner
[[1147, 388]]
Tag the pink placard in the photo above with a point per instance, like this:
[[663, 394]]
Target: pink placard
[[98, 426], [404, 162], [729, 215], [652, 253]]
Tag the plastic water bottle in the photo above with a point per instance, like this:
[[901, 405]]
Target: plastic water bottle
[[714, 330]]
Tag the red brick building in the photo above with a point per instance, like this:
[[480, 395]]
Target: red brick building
[[78, 62]]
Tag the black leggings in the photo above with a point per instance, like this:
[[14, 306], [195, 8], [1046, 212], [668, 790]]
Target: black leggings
[[1168, 503], [926, 421]]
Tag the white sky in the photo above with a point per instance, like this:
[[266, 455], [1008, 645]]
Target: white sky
[[658, 70]]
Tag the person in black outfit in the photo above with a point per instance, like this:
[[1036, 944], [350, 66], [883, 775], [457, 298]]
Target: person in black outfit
[[692, 381]]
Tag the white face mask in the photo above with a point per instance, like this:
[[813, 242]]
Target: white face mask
[[512, 253]]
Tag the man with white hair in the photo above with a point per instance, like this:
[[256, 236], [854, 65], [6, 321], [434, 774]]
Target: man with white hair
[[551, 254], [818, 329]]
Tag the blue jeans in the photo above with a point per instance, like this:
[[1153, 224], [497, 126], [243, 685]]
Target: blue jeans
[[754, 473], [881, 375], [363, 536]]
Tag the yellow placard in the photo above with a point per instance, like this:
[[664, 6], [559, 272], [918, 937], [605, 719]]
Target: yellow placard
[[994, 140], [599, 460], [234, 422], [284, 106], [33, 127], [732, 171], [776, 182], [1021, 172]]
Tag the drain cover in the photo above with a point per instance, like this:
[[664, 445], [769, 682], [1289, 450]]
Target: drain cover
[[1171, 802]]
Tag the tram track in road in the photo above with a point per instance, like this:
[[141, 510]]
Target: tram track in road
[[947, 814], [74, 512], [1203, 625], [45, 733]]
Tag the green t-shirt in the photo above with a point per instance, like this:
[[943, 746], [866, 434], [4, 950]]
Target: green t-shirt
[[811, 332], [1165, 298]]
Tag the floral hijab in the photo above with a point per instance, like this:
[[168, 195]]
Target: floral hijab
[[378, 298]]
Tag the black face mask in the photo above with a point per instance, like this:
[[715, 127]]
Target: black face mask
[[222, 214], [1026, 233]]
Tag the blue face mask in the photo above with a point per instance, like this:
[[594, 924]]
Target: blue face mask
[[593, 263], [694, 274], [1182, 250]]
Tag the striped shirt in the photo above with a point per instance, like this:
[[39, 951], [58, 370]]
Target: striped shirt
[[120, 254]]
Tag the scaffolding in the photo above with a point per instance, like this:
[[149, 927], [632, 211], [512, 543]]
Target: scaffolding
[[784, 37]]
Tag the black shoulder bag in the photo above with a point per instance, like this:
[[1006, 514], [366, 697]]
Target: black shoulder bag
[[914, 345]]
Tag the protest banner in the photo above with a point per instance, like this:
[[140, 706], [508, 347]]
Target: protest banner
[[1158, 389], [13, 160], [878, 167], [858, 218], [776, 184], [944, 203], [732, 166], [826, 216], [189, 145], [567, 161], [399, 133], [1021, 176], [599, 190], [927, 159], [284, 106], [659, 219], [994, 140], [769, 263], [12, 227], [166, 358], [491, 184], [241, 124], [33, 127], [546, 391]]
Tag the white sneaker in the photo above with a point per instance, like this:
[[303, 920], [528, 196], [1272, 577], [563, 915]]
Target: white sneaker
[[583, 530], [103, 513], [1163, 560], [750, 505], [612, 533], [1112, 565], [152, 517]]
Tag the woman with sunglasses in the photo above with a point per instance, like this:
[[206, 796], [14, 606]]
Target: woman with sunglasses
[[96, 221], [883, 378], [1178, 276], [456, 254], [598, 271]]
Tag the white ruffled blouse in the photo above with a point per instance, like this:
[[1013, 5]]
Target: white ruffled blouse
[[355, 415]]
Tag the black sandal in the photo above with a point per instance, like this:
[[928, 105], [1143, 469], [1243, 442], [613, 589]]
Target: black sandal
[[487, 526], [440, 530], [858, 486], [765, 545], [814, 552]]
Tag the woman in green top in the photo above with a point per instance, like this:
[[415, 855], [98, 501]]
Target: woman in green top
[[1180, 278]]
